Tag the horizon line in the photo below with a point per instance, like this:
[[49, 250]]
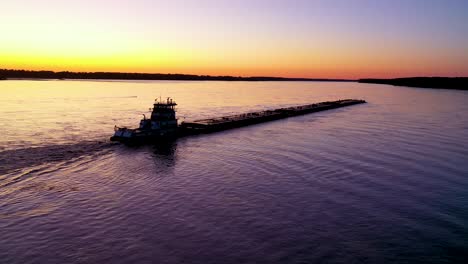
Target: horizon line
[[154, 74], [188, 75]]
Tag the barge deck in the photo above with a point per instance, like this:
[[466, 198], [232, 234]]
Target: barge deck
[[233, 121]]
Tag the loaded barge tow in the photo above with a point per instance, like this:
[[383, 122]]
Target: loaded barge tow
[[163, 123]]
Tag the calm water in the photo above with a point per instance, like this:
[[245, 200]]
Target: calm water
[[383, 182]]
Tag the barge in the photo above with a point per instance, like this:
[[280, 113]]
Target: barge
[[163, 123], [234, 121]]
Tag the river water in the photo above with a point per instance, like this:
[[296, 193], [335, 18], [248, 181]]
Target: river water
[[382, 182]]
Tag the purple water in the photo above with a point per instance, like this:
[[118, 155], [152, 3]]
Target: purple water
[[383, 182]]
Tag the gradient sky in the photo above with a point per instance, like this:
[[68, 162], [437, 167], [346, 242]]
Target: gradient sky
[[294, 38]]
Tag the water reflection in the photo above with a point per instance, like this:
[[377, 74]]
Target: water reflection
[[165, 149], [165, 154]]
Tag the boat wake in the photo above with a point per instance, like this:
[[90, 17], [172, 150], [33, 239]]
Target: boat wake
[[15, 160]]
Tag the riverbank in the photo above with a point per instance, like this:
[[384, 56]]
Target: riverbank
[[23, 74], [458, 83]]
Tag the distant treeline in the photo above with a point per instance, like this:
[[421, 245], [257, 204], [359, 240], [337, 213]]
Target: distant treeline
[[5, 74], [459, 83]]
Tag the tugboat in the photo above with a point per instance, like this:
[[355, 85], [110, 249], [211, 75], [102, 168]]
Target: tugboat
[[161, 126]]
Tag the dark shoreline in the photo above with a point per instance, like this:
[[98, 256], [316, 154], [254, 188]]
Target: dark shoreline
[[457, 83], [23, 74]]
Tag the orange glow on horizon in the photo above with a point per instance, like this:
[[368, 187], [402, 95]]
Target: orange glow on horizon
[[227, 39], [331, 71]]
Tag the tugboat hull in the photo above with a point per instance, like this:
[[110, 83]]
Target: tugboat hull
[[143, 140], [138, 137]]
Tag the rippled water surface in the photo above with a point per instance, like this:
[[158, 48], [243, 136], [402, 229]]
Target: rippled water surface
[[382, 182]]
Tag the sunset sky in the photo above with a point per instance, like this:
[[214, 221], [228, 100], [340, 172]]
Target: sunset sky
[[291, 38]]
